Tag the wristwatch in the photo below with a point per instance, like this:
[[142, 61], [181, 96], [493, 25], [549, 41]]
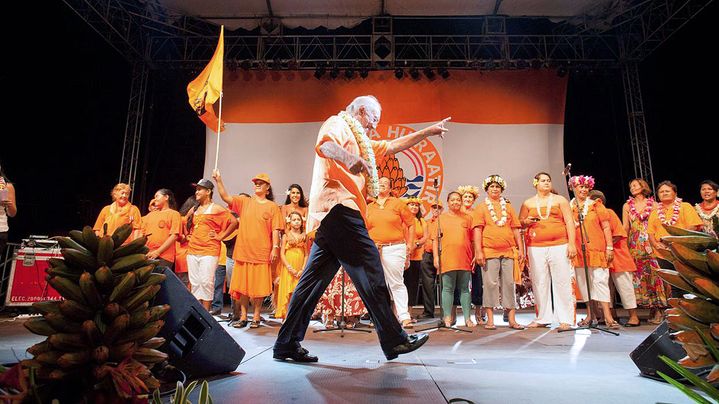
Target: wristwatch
[[610, 248]]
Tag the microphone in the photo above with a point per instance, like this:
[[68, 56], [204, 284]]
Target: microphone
[[566, 169]]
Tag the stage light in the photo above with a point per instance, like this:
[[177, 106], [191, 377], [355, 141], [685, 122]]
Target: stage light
[[245, 65], [276, 64], [562, 71], [364, 73], [443, 72], [349, 73], [399, 73], [335, 72], [429, 73], [319, 72], [414, 73], [382, 47]]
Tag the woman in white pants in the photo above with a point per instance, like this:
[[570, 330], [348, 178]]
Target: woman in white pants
[[391, 226], [622, 267], [548, 220]]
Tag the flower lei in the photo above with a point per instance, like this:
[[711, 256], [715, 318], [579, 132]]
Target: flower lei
[[585, 209], [494, 178], [647, 209], [705, 216], [549, 207], [675, 213], [581, 180], [490, 206], [366, 152]]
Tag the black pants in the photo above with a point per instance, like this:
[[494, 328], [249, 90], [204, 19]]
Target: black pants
[[427, 274], [411, 281], [342, 239], [477, 288]]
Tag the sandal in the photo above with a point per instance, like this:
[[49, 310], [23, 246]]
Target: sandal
[[490, 327], [564, 327], [469, 323], [628, 324], [330, 325], [255, 324], [585, 322], [655, 321], [239, 324], [535, 324], [516, 326], [613, 325], [407, 324]]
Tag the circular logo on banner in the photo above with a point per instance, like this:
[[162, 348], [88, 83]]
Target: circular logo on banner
[[415, 172]]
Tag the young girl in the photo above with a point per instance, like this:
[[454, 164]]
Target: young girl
[[294, 257]]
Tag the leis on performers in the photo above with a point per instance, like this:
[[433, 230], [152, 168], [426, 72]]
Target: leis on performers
[[494, 178], [366, 152], [490, 206], [675, 213], [585, 209], [706, 216], [577, 180], [549, 206], [645, 213], [463, 189]]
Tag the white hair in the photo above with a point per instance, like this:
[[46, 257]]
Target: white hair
[[363, 101]]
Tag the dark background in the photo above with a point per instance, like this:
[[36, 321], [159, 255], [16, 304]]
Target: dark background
[[65, 111]]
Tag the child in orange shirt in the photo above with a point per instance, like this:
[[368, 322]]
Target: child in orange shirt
[[294, 258]]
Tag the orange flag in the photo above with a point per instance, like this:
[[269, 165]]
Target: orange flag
[[207, 87]]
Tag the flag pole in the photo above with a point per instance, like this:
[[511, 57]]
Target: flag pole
[[219, 126]]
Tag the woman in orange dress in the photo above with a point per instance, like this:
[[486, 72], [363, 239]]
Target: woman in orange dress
[[455, 263], [622, 267], [257, 246], [421, 235], [708, 209], [597, 237], [162, 227], [673, 212], [119, 212], [293, 257], [547, 219], [499, 250]]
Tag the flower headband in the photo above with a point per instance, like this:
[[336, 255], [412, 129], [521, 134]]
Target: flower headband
[[577, 180], [496, 179], [413, 199], [471, 189]]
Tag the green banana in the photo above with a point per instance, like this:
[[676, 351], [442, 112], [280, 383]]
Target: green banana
[[128, 263], [701, 362], [149, 355], [141, 296], [49, 357], [90, 239], [104, 279], [121, 234], [62, 324], [124, 287], [696, 243], [709, 287], [76, 236], [64, 272], [154, 343], [136, 246], [157, 312], [677, 280], [678, 231], [104, 250], [700, 310], [141, 335], [69, 242], [79, 259], [91, 332], [155, 279], [75, 310], [71, 359], [101, 354], [139, 318], [690, 257], [39, 326], [121, 351], [143, 273], [111, 311], [68, 342], [40, 347], [119, 324], [49, 306], [89, 290], [684, 322], [713, 261]]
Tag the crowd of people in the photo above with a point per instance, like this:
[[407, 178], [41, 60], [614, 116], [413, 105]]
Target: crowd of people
[[253, 249]]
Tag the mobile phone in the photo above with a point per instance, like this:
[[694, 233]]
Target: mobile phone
[[4, 195]]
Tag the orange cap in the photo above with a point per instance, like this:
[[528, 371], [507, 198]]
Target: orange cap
[[262, 177]]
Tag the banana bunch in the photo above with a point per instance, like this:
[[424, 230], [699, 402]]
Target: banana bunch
[[106, 323], [695, 317]]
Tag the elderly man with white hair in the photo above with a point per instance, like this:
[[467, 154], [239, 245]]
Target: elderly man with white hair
[[344, 175]]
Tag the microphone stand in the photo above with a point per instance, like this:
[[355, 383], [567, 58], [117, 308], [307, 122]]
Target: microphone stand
[[440, 325], [341, 324], [582, 231]]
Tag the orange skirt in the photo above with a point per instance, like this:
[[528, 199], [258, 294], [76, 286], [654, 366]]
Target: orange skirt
[[595, 259], [252, 280]]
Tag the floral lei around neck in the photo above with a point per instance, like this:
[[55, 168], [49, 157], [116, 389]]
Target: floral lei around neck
[[647, 209], [675, 213], [706, 216], [549, 207], [585, 209], [490, 206], [366, 152]]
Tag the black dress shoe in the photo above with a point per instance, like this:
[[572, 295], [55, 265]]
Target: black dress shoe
[[299, 355], [413, 342]]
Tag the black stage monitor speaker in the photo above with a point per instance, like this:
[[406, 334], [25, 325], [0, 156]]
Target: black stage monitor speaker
[[195, 341], [646, 355]]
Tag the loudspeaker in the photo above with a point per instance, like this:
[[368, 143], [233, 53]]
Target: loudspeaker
[[646, 355], [195, 342]]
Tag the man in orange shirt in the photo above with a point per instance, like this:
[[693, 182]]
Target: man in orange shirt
[[429, 272], [344, 174]]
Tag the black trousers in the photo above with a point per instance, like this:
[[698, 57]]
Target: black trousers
[[411, 281], [477, 289], [342, 239], [427, 274]]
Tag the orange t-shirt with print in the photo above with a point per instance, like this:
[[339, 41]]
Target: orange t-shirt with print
[[254, 235], [215, 219], [158, 226], [115, 216]]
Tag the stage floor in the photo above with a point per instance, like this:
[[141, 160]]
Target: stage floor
[[499, 366]]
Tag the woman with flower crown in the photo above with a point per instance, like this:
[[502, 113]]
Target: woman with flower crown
[[498, 249], [650, 290], [547, 219], [470, 193], [708, 209], [344, 175], [596, 234]]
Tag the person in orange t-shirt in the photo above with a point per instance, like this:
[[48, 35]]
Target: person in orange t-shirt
[[622, 267], [344, 175], [119, 212], [391, 226], [597, 237], [162, 227], [421, 235], [211, 224], [186, 211], [499, 250], [455, 261], [428, 271], [547, 218], [673, 212], [257, 246], [470, 193]]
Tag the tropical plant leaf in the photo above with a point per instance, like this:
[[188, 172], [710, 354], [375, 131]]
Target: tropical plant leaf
[[694, 379], [684, 389]]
